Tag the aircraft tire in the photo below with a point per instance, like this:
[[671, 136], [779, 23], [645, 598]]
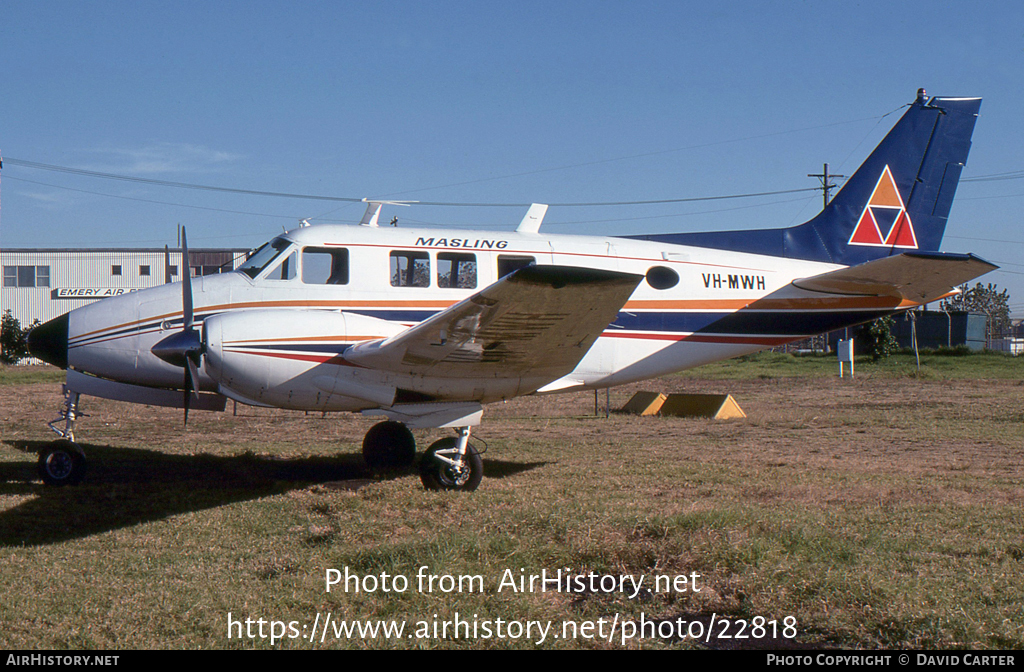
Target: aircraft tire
[[389, 446], [437, 475], [62, 463]]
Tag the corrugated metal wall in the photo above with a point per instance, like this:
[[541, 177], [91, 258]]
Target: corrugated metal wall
[[83, 271], [937, 329]]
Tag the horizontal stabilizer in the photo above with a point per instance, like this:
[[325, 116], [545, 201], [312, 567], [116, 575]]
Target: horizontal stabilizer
[[913, 276], [538, 322]]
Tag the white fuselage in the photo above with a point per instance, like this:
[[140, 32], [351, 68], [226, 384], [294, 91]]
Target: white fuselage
[[283, 329]]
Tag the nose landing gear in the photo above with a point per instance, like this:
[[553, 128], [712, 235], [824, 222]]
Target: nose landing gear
[[63, 461]]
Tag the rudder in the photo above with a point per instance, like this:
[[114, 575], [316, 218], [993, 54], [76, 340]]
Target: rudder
[[899, 199]]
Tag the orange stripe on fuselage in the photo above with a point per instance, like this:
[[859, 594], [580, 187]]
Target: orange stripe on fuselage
[[305, 339], [769, 341], [809, 303], [339, 305], [823, 303]]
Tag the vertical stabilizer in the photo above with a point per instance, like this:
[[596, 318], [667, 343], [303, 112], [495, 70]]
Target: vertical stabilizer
[[897, 201]]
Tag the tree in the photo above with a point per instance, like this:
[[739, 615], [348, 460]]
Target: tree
[[985, 299], [877, 340], [13, 339]]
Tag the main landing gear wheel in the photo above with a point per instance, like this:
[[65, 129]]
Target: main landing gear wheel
[[389, 446], [441, 468], [62, 463]]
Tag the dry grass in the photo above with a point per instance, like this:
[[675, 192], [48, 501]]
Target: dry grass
[[880, 512]]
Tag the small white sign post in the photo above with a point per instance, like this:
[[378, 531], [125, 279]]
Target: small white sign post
[[845, 351]]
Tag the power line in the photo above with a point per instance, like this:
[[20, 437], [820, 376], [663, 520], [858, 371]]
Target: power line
[[987, 240], [647, 154], [345, 199], [995, 177], [146, 200], [254, 192], [674, 215], [675, 200], [167, 183], [989, 198]]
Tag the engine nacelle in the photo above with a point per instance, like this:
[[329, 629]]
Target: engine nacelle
[[292, 358]]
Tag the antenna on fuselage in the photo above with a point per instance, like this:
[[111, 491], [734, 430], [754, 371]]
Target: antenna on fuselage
[[534, 216], [373, 210]]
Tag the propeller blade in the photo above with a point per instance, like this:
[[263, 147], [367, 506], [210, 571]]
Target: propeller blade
[[193, 371], [184, 348], [191, 384], [188, 393], [186, 284]]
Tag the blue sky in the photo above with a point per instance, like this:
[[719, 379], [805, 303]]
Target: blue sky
[[486, 102]]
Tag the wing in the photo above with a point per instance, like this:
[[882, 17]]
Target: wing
[[536, 323], [919, 277]]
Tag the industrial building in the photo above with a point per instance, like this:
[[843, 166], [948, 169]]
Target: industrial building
[[40, 284]]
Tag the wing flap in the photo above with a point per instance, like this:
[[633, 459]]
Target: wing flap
[[538, 322], [913, 276]]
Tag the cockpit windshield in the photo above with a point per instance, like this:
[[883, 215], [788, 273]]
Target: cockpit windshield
[[262, 257]]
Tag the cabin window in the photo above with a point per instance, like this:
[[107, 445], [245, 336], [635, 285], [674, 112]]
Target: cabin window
[[507, 263], [286, 270], [322, 266], [661, 277], [115, 270], [456, 270], [410, 269], [262, 257], [143, 270]]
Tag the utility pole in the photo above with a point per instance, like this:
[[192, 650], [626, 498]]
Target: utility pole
[[826, 186]]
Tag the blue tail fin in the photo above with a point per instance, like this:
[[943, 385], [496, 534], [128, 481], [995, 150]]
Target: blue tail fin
[[897, 201]]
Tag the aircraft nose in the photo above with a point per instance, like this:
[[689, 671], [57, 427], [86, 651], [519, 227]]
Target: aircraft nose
[[49, 341]]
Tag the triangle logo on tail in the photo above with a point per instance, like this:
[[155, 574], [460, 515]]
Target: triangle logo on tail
[[885, 222]]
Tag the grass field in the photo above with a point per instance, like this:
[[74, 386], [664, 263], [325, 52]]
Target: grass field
[[882, 511]]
